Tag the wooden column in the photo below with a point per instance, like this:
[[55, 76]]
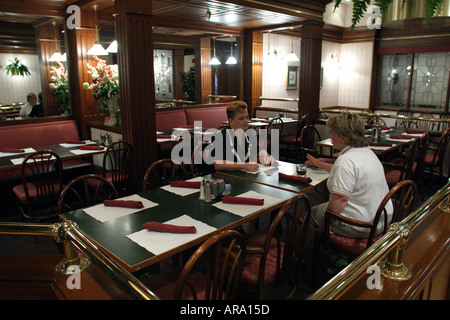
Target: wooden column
[[252, 68], [45, 42], [310, 64], [78, 42], [136, 78], [203, 81]]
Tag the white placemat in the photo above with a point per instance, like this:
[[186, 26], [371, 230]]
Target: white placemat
[[69, 145], [317, 175], [416, 135], [261, 168], [20, 160], [401, 140], [159, 242], [103, 213], [9, 154], [244, 210], [183, 191]]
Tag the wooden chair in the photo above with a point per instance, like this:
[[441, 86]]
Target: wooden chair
[[436, 158], [161, 172], [272, 265], [117, 167], [291, 141], [42, 183], [426, 125], [419, 164], [444, 125], [402, 197], [78, 194], [307, 143], [401, 168], [213, 272], [405, 123], [275, 124], [200, 163]]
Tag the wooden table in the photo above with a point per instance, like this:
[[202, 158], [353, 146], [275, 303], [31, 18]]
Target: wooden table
[[111, 235], [61, 151], [270, 177], [378, 150]]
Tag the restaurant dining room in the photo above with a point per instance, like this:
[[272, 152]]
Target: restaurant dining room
[[238, 150]]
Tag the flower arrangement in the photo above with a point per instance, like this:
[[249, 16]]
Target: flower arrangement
[[16, 68], [105, 83], [59, 86]]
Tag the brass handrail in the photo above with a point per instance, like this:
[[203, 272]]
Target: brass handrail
[[70, 235], [278, 99], [174, 101], [378, 116], [388, 245]]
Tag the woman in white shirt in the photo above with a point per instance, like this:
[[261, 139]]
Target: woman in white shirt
[[27, 107], [357, 183]]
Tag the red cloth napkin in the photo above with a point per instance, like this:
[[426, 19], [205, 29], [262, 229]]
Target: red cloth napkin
[[170, 228], [163, 136], [295, 178], [91, 148], [123, 203], [415, 131], [12, 150], [38, 157], [381, 144], [264, 121], [242, 200], [75, 142], [400, 136], [384, 128], [191, 126], [185, 184]]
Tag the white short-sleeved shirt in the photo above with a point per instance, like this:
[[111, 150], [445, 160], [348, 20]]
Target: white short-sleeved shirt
[[358, 175], [25, 110]]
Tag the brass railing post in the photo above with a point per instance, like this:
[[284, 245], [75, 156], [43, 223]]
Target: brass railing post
[[72, 262], [393, 267]]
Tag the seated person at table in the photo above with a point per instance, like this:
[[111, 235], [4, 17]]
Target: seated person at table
[[27, 107], [357, 183], [237, 145], [37, 110]]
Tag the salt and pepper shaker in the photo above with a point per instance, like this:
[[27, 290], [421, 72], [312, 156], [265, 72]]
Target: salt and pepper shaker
[[207, 192], [202, 190]]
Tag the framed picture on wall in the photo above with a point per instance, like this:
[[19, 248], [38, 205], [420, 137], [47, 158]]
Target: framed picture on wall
[[292, 77]]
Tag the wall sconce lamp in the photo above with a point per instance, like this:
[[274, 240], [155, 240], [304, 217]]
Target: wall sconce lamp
[[97, 48]]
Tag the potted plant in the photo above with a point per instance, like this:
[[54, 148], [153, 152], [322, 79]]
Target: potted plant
[[59, 86], [16, 68]]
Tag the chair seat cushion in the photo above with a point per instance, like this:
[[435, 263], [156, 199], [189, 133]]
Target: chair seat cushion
[[19, 191], [290, 139], [252, 260], [392, 177], [164, 284], [429, 158]]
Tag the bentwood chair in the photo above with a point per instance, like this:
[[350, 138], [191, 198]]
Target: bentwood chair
[[213, 272], [272, 264], [435, 160], [42, 183], [426, 125], [444, 125], [419, 164], [307, 143], [78, 193], [201, 163], [291, 141], [162, 172], [117, 167], [401, 168], [402, 197], [405, 123]]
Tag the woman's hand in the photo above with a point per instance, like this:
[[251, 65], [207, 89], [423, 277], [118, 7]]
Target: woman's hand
[[251, 166], [314, 162]]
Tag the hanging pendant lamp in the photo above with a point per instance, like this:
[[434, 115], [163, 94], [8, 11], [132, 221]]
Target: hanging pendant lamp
[[57, 56], [292, 56], [97, 49], [231, 59], [214, 61]]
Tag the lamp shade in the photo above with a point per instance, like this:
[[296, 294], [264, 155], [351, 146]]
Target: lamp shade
[[112, 47], [231, 60], [57, 57], [214, 61], [97, 50], [292, 57]]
